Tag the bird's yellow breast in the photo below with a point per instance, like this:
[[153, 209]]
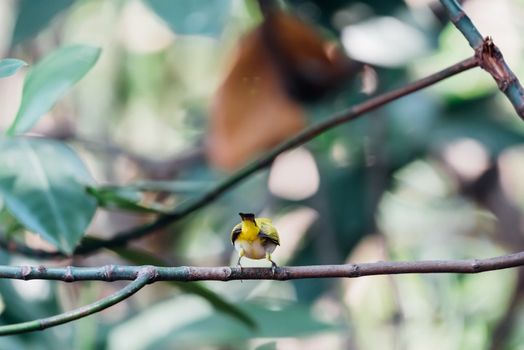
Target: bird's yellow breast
[[249, 232]]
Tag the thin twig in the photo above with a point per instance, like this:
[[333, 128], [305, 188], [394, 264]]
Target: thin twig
[[142, 277], [489, 55], [111, 273], [91, 245]]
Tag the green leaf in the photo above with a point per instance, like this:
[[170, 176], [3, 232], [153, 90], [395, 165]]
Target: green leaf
[[130, 197], [140, 257], [123, 198], [193, 17], [267, 346], [34, 15], [291, 320], [43, 185], [176, 186], [9, 224], [49, 80], [9, 66]]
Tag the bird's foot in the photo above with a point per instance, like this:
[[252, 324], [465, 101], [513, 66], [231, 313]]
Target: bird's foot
[[241, 271], [273, 268]]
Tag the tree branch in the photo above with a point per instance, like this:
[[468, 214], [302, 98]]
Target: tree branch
[[90, 245], [489, 56], [111, 273], [142, 277]]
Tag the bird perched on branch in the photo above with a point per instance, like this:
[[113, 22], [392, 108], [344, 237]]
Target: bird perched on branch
[[255, 238]]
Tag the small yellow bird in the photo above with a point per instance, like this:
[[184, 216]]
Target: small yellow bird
[[255, 238]]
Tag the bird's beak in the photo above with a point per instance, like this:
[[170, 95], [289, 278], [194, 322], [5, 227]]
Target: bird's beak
[[247, 216]]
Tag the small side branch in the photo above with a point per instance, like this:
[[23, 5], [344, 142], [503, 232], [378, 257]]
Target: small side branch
[[142, 278], [489, 56]]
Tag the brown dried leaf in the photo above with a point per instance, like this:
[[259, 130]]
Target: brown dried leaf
[[309, 66], [276, 67], [251, 110]]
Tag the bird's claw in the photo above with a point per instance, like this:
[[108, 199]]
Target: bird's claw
[[273, 268], [241, 270]]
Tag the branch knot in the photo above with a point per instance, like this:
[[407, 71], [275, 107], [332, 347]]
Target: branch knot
[[108, 272], [475, 265], [150, 271], [492, 61], [25, 272], [68, 276]]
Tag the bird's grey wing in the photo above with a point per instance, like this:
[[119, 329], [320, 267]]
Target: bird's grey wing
[[269, 233]]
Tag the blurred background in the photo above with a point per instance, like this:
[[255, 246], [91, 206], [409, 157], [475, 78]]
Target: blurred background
[[186, 92]]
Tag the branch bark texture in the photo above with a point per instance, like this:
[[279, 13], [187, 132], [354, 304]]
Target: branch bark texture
[[111, 273]]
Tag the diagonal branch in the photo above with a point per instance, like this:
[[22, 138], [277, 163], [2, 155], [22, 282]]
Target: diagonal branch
[[489, 55], [142, 277], [90, 245]]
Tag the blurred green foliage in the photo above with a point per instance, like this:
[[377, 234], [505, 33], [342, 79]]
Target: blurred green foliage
[[199, 17], [286, 321], [386, 188], [33, 16], [9, 66]]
